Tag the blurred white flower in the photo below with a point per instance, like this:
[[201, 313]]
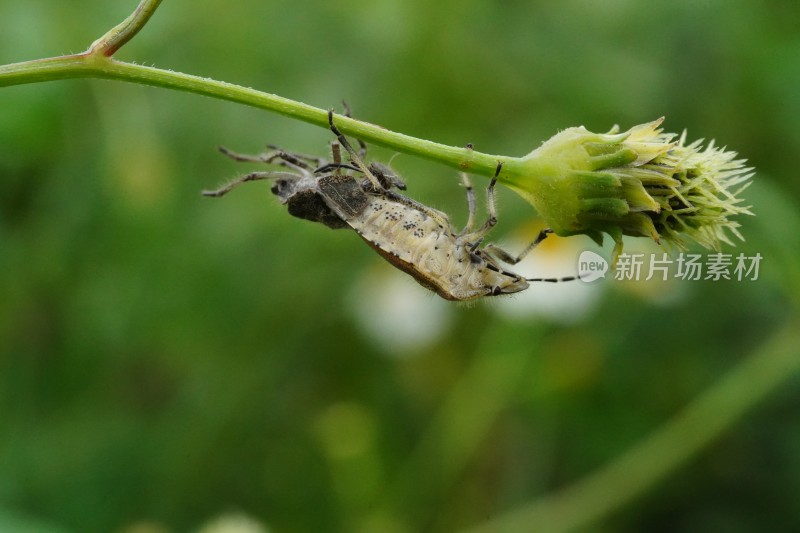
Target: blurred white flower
[[233, 523], [399, 315]]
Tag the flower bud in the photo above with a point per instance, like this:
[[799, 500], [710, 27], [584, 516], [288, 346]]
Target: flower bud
[[639, 183]]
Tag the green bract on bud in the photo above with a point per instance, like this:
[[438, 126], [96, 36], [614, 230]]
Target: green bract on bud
[[640, 183]]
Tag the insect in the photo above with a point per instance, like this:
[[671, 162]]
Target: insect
[[415, 238]]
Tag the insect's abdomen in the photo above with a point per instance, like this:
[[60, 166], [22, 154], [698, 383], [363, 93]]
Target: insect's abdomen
[[417, 240], [402, 231], [420, 245]]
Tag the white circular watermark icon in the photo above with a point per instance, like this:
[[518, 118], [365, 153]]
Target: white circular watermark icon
[[591, 266]]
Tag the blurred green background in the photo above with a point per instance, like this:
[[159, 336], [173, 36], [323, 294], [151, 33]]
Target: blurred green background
[[166, 359]]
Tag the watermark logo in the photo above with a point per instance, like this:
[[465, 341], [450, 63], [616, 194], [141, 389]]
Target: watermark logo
[[684, 266], [591, 267]]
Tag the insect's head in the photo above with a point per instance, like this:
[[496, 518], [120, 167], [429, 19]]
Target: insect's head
[[300, 193], [285, 186], [510, 286], [497, 280]]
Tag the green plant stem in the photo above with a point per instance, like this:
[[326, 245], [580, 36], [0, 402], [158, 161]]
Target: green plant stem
[[126, 30], [621, 481], [96, 64]]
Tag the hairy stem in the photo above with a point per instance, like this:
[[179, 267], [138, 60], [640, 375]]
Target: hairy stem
[[96, 62]]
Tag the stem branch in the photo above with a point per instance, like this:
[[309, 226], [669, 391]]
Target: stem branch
[[123, 32]]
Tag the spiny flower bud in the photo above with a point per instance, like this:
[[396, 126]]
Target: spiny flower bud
[[639, 183]]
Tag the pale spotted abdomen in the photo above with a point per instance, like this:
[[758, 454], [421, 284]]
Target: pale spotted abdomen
[[423, 244]]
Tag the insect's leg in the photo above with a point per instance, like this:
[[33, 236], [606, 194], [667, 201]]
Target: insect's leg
[[336, 153], [253, 176], [386, 176], [467, 183], [353, 155], [506, 257], [475, 245], [362, 146], [554, 280], [287, 159], [336, 165], [314, 160], [481, 232], [490, 198], [261, 158]]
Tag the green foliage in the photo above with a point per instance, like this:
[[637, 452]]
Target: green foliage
[[166, 358]]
